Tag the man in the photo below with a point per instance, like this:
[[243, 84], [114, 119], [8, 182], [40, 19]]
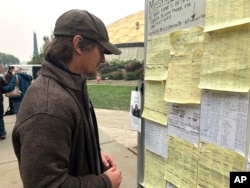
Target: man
[[23, 81], [2, 125], [8, 77], [55, 137]]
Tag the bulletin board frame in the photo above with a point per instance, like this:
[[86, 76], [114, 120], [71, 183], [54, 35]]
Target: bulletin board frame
[[141, 135]]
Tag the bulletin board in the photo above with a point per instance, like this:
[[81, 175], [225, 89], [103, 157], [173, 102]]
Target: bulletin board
[[195, 117]]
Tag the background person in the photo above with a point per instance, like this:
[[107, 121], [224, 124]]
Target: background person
[[8, 76], [23, 80], [55, 137], [2, 126]]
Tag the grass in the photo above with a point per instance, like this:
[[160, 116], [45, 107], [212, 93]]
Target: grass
[[110, 97]]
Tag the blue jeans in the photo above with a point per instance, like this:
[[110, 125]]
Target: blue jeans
[[16, 105], [2, 126]]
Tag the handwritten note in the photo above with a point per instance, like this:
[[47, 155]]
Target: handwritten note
[[155, 108], [154, 170], [225, 63], [184, 66], [182, 83], [158, 50], [182, 163], [171, 15], [224, 119], [226, 13], [215, 163]]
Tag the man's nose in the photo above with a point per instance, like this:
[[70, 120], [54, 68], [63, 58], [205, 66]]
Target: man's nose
[[102, 60]]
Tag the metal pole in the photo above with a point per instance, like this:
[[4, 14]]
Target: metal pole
[[141, 144], [141, 135]]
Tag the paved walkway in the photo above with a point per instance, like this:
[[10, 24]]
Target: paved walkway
[[116, 124], [116, 137]]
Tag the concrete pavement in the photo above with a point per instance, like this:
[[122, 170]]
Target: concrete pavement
[[116, 138]]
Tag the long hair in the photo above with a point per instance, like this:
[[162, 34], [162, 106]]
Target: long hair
[[62, 48]]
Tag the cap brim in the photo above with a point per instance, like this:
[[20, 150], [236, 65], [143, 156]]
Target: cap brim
[[110, 48]]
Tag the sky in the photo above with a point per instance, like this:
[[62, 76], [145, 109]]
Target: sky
[[20, 18]]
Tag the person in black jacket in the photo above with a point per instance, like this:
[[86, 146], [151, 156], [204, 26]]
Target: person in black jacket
[[8, 77], [2, 126]]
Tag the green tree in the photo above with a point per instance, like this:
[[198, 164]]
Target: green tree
[[133, 66], [120, 69], [7, 59], [105, 68]]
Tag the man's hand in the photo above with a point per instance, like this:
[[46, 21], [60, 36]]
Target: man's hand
[[107, 161], [115, 176], [111, 170]]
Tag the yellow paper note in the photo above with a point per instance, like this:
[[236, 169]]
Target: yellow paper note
[[155, 108], [225, 64], [154, 170], [182, 83], [215, 165], [158, 49], [226, 13], [184, 66], [188, 43], [182, 163]]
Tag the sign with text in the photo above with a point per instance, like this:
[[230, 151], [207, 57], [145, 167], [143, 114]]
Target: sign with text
[[170, 15]]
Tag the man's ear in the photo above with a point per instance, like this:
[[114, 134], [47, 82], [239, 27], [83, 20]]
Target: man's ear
[[76, 41]]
